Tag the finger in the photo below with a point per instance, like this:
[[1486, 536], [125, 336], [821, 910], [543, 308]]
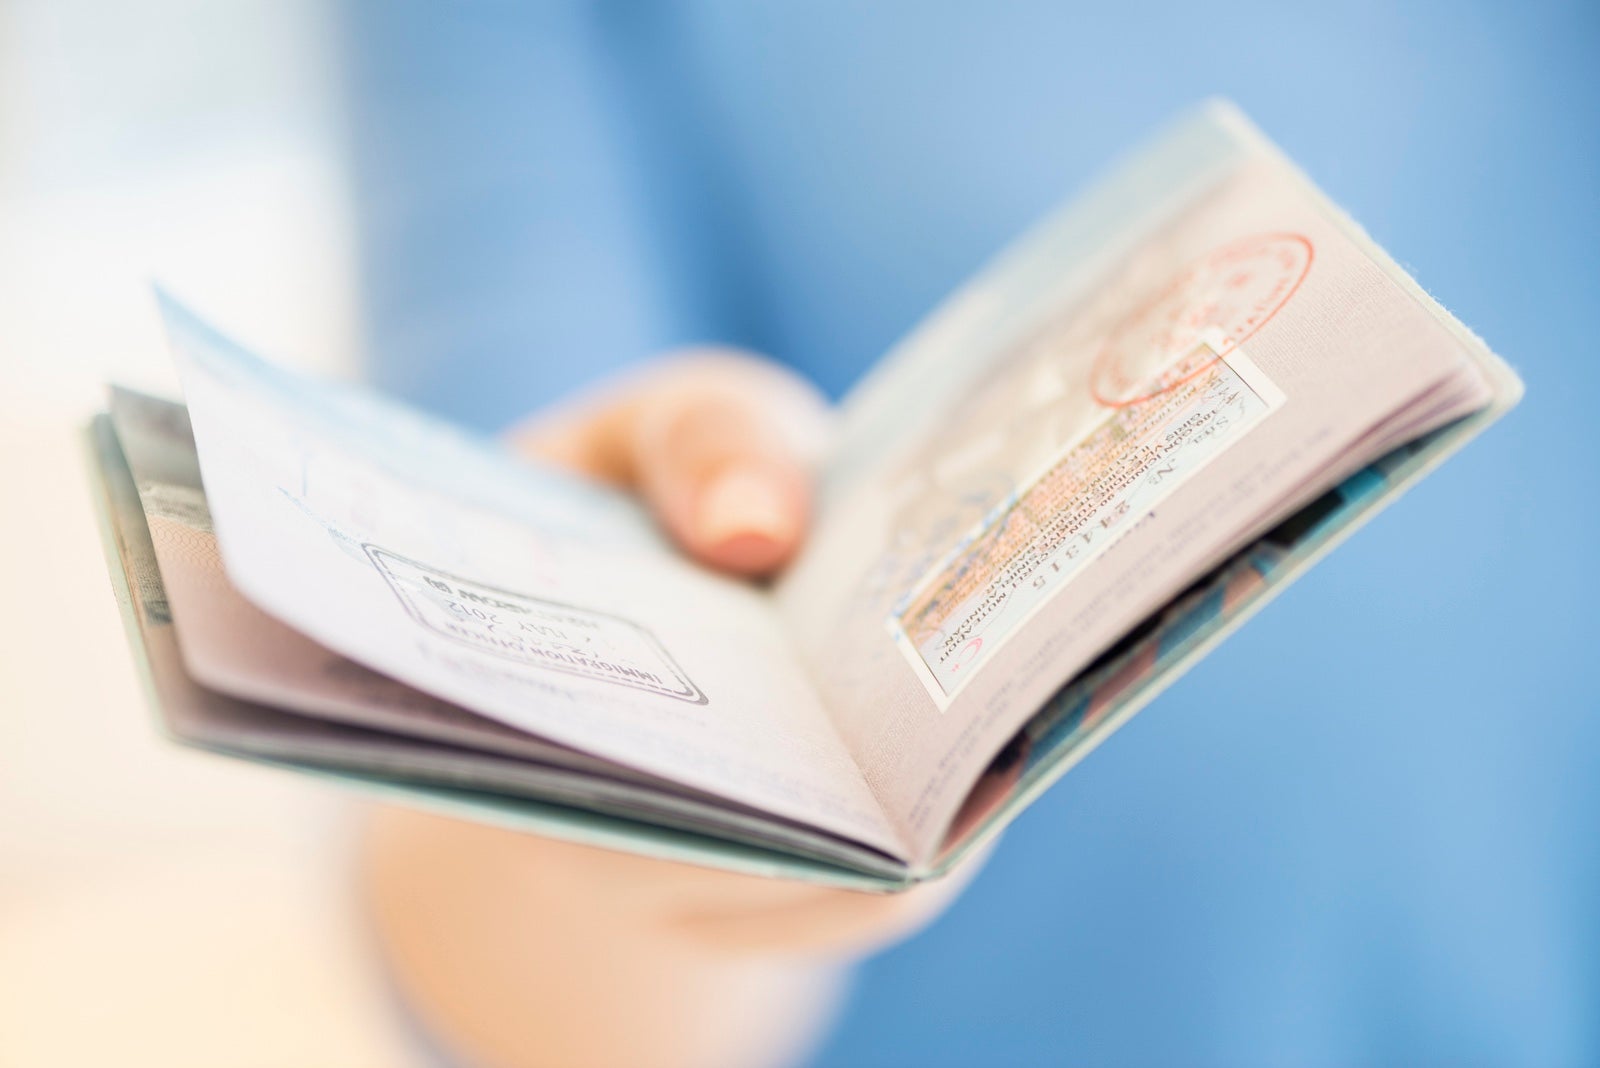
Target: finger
[[722, 480], [719, 444]]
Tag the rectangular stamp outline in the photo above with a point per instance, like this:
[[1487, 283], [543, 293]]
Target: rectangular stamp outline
[[690, 692], [1236, 360]]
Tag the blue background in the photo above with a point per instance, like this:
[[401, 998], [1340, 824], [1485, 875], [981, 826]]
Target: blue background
[[1367, 830]]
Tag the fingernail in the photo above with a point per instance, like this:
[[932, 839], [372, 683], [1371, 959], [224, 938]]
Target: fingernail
[[743, 502]]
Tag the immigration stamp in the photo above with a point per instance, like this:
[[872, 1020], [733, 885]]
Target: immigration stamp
[[1021, 555], [1226, 296], [532, 631]]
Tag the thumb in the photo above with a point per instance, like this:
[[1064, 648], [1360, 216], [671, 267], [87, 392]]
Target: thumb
[[720, 444]]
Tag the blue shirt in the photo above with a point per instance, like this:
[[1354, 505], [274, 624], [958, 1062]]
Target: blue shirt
[[1367, 830]]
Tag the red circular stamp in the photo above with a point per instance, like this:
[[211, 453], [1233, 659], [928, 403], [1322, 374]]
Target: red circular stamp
[[1210, 309]]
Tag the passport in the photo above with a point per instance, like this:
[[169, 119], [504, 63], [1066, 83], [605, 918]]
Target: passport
[[1108, 450]]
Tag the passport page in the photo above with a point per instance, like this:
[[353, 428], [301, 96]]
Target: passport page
[[1182, 357], [547, 603]]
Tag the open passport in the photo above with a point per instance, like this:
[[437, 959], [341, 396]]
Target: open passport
[[1070, 482]]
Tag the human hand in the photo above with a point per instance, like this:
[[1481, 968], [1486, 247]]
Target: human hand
[[483, 924], [718, 443]]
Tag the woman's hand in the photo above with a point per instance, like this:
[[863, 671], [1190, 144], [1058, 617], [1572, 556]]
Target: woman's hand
[[720, 444], [517, 949]]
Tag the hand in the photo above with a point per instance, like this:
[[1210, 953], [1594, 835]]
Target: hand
[[718, 443], [518, 949]]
